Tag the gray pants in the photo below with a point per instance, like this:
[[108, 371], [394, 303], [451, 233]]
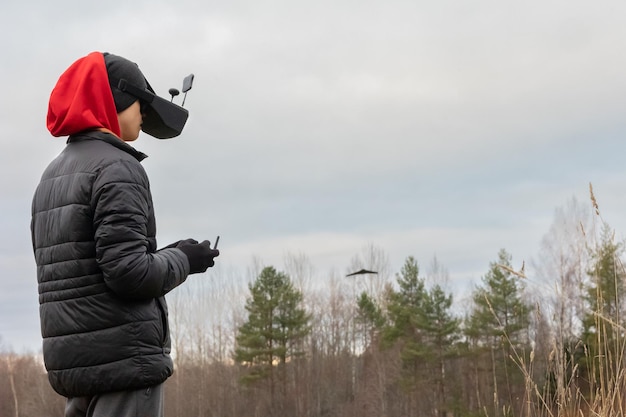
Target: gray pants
[[145, 402]]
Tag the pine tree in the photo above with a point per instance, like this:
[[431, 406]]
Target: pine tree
[[499, 314], [403, 310], [603, 323], [275, 328], [606, 291], [404, 305], [420, 320], [369, 317], [497, 330], [441, 332]]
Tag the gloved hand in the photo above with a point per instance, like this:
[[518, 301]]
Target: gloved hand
[[200, 255], [180, 243]]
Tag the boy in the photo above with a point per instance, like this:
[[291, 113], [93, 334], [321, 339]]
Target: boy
[[100, 276]]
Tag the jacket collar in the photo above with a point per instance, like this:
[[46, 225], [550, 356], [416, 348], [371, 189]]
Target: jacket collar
[[108, 138]]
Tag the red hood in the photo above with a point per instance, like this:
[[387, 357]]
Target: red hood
[[82, 99]]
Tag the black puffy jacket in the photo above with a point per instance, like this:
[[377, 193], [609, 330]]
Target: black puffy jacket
[[101, 279]]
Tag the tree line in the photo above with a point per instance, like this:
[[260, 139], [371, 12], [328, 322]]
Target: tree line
[[546, 344]]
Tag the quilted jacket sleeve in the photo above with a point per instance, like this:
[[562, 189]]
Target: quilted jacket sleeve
[[123, 219]]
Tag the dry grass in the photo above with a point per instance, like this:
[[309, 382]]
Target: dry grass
[[584, 383]]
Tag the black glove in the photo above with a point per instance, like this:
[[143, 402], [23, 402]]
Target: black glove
[[200, 256], [180, 243]]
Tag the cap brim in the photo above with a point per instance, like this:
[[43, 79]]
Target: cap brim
[[163, 119]]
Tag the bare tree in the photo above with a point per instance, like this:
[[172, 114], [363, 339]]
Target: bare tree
[[203, 314], [24, 387], [563, 262], [330, 371], [561, 272], [9, 360], [300, 270], [437, 274]]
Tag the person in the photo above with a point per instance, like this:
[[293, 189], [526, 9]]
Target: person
[[101, 279]]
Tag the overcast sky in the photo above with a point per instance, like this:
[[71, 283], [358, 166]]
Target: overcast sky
[[427, 128]]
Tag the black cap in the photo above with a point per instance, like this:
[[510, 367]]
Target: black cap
[[162, 119]]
